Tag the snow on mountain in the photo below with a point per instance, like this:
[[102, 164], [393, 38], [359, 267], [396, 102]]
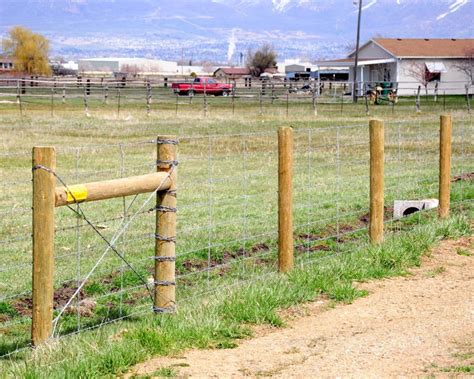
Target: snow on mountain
[[453, 8], [280, 5], [221, 29], [369, 5]]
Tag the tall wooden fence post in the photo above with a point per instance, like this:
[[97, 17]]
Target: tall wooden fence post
[[165, 249], [285, 199], [376, 180], [417, 100], [314, 100], [44, 184], [444, 165]]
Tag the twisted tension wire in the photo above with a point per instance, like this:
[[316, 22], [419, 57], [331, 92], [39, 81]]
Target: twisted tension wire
[[116, 236], [82, 215]]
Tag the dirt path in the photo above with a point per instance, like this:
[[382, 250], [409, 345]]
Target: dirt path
[[420, 325]]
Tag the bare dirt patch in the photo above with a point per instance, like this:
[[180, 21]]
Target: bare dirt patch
[[421, 325]]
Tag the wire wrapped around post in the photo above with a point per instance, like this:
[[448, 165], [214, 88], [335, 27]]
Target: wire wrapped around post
[[165, 235]]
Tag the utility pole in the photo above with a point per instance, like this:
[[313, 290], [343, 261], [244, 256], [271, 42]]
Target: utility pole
[[356, 60]]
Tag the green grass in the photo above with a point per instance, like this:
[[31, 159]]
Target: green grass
[[463, 252], [459, 369], [227, 315], [227, 218], [165, 372]]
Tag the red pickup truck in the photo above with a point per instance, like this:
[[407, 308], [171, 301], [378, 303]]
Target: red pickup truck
[[201, 85]]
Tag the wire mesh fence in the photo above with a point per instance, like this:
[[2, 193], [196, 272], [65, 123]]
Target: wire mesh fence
[[227, 215]]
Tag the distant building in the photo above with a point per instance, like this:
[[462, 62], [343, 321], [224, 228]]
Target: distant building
[[231, 73], [128, 65], [294, 69], [411, 62], [6, 64], [60, 67], [70, 65]]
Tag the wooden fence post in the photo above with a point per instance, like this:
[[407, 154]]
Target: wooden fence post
[[285, 199], [233, 98], [119, 96], [44, 184], [165, 249], [52, 101], [417, 100], [468, 103], [148, 98], [205, 100], [314, 100], [367, 111], [18, 92], [106, 94], [376, 180], [176, 104], [444, 165]]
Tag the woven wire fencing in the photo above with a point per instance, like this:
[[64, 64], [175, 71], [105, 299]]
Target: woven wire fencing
[[227, 215]]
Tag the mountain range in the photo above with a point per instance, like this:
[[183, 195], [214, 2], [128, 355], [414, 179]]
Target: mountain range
[[219, 30]]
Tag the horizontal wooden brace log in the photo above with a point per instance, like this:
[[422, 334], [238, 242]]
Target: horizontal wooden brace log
[[109, 189]]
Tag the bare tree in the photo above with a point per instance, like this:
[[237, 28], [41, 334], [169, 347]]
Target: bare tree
[[349, 47], [264, 57], [207, 66], [420, 73], [132, 69], [466, 66]]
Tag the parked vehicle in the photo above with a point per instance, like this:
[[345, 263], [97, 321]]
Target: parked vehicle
[[201, 85]]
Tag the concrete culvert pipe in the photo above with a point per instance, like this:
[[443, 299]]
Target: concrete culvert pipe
[[403, 208]]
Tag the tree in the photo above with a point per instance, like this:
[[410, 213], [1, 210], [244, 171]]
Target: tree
[[29, 51], [131, 69], [466, 66], [260, 60], [420, 73], [207, 67]]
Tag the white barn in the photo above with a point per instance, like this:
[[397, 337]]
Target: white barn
[[445, 63], [130, 65]]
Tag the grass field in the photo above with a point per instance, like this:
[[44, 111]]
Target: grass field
[[227, 218]]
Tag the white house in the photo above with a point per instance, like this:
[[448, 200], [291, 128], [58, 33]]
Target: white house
[[443, 63]]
